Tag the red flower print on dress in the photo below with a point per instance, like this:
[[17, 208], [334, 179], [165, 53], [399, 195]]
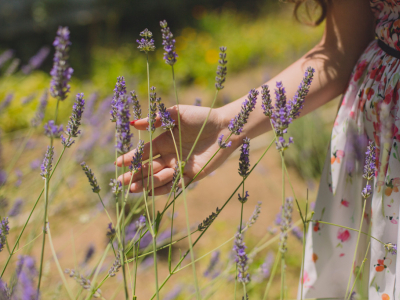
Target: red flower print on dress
[[392, 186], [360, 70], [344, 203], [343, 234], [380, 266], [396, 133], [337, 155]]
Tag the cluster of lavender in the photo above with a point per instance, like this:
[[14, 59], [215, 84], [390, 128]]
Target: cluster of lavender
[[241, 259], [47, 163], [175, 178], [285, 223], [82, 281], [38, 118], [296, 104], [136, 163], [254, 215], [52, 131], [116, 265], [210, 271], [222, 143], [140, 223], [116, 187], [4, 230], [6, 102], [26, 275], [123, 132], [265, 269], [36, 60], [244, 161], [74, 121], [369, 169], [166, 121], [92, 179], [151, 117], [208, 221], [119, 91], [137, 112], [392, 248], [236, 124], [146, 43], [221, 69], [61, 72], [168, 43]]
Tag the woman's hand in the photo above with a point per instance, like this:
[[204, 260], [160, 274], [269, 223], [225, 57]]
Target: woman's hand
[[192, 118]]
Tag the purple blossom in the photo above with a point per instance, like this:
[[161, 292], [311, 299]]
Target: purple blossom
[[369, 166], [123, 131], [28, 99], [52, 131], [116, 265], [166, 121], [221, 69], [210, 271], [146, 43], [265, 268], [26, 274], [285, 223], [36, 60], [74, 121], [297, 233], [3, 177], [119, 91], [6, 102], [35, 122], [278, 218], [140, 223], [5, 56], [137, 158], [4, 230], [90, 103], [92, 179], [137, 112], [116, 187], [241, 259], [175, 178], [244, 161], [19, 174], [266, 101], [254, 216], [16, 208], [151, 117], [366, 192], [12, 67], [35, 164], [89, 253], [61, 71], [392, 248], [296, 104], [168, 43], [280, 117], [82, 281], [237, 123], [243, 199], [47, 163], [222, 143], [197, 102]]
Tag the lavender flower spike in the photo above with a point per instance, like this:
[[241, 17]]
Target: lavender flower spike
[[137, 158], [140, 223], [392, 248], [151, 117], [297, 233], [285, 224], [6, 102], [244, 161], [36, 60], [137, 112], [4, 229], [52, 130], [166, 121], [146, 43], [61, 72], [244, 198], [298, 100], [213, 263], [116, 186], [74, 121], [82, 281], [116, 265], [47, 163], [16, 208], [221, 69], [168, 43], [222, 143], [92, 179], [123, 131], [369, 166], [119, 91], [241, 259], [280, 117], [255, 215], [40, 110], [266, 101], [236, 124]]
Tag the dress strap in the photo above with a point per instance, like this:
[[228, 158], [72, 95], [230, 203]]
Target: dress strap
[[388, 50]]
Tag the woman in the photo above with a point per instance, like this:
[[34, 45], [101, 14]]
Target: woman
[[347, 60]]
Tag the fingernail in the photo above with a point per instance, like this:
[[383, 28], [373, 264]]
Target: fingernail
[[132, 122]]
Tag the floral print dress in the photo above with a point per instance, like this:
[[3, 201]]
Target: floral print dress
[[369, 112]]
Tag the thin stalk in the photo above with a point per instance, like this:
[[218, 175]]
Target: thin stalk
[[136, 263], [105, 209], [179, 115], [274, 268], [122, 251], [170, 247], [304, 249], [359, 271], [283, 203]]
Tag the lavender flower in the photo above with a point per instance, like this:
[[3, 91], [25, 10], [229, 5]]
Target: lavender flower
[[6, 102], [140, 223], [213, 263], [137, 112], [255, 215], [151, 117], [222, 143], [36, 60], [166, 121], [237, 123], [123, 131], [221, 69], [18, 173], [197, 102], [244, 161], [244, 198], [74, 121], [265, 268], [116, 265], [392, 248], [82, 281], [52, 130], [5, 56], [369, 167], [4, 230], [296, 104], [35, 164], [89, 253], [137, 158], [208, 221], [266, 101], [26, 274], [116, 187], [280, 117], [111, 232], [278, 218], [90, 103], [297, 233], [241, 259], [146, 43], [28, 99], [3, 177], [40, 110], [168, 43], [175, 176], [12, 67], [61, 72], [119, 91], [5, 292], [285, 223], [47, 163], [92, 179], [16, 208]]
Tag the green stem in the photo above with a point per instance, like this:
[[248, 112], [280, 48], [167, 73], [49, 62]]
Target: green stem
[[122, 249], [179, 115], [105, 209], [359, 271], [304, 249], [136, 263], [283, 206], [274, 268]]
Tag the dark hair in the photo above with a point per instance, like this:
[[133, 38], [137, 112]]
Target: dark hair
[[311, 7]]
